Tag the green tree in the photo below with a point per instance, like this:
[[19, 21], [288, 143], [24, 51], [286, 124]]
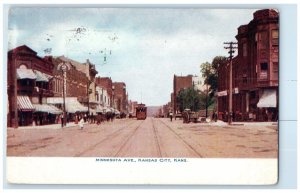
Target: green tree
[[188, 99], [210, 74]]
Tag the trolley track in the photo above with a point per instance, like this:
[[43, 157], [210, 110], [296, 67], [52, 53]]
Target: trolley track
[[108, 137], [158, 147], [127, 140], [182, 140]]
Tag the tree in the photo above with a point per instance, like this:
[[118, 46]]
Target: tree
[[188, 99], [210, 73]]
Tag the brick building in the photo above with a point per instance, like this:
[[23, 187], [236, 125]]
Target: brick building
[[80, 83], [29, 81], [75, 90], [119, 96], [180, 82], [254, 70]]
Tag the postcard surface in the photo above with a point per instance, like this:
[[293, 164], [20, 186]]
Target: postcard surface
[[142, 96]]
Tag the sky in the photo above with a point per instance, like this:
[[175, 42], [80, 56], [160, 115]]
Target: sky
[[142, 47]]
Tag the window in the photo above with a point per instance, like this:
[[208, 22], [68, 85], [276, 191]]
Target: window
[[275, 37], [263, 40], [263, 70], [244, 49], [264, 66], [275, 66]]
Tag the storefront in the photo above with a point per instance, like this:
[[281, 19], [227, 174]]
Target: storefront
[[45, 114], [25, 111]]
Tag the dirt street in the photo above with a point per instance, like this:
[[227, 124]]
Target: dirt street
[[152, 137]]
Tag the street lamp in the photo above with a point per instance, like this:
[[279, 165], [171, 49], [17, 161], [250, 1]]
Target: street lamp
[[64, 67]]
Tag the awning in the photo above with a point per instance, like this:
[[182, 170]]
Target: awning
[[93, 111], [106, 109], [24, 104], [25, 74], [72, 104], [268, 99], [47, 108], [99, 109], [41, 77]]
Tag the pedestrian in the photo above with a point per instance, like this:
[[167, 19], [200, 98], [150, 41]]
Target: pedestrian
[[85, 118], [81, 122], [62, 120], [76, 119], [171, 115]]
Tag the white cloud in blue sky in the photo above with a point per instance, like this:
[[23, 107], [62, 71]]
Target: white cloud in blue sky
[[151, 45]]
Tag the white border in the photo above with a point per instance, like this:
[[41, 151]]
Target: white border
[[37, 170], [148, 2]]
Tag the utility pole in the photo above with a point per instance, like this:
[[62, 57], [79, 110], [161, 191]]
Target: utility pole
[[231, 48]]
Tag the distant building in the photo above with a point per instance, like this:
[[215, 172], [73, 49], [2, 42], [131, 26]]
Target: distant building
[[103, 99], [132, 107], [179, 83], [198, 83], [254, 69], [106, 83], [119, 96]]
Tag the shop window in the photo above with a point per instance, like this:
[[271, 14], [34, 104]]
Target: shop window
[[252, 94]]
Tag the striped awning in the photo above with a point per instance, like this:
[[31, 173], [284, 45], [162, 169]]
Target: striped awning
[[47, 108], [24, 104], [23, 73]]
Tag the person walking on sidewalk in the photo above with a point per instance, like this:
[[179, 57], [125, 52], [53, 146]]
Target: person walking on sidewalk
[[62, 120], [81, 122], [171, 115]]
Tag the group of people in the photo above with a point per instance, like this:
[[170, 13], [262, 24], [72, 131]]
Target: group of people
[[262, 114], [81, 118]]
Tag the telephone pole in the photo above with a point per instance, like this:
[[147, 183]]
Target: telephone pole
[[231, 48]]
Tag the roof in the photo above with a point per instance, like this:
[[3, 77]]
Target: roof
[[23, 47]]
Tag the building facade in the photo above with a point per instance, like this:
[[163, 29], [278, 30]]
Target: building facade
[[180, 82], [106, 84], [119, 96], [254, 71], [86, 73], [29, 81], [198, 83]]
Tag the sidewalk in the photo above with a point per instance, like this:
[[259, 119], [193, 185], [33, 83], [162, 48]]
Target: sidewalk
[[52, 126], [222, 123]]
